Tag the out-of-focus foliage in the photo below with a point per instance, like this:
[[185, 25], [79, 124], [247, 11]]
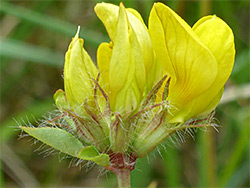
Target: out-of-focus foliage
[[34, 37]]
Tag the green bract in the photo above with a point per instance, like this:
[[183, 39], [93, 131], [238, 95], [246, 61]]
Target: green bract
[[67, 143]]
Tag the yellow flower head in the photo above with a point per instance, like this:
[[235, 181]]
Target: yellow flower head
[[149, 84]]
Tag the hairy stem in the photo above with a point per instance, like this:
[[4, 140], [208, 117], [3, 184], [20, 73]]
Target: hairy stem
[[123, 178], [122, 164]]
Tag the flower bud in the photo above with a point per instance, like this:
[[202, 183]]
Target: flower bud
[[78, 73]]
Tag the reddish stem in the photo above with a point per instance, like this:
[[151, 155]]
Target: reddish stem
[[122, 165]]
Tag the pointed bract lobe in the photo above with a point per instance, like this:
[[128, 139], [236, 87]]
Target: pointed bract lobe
[[60, 99]]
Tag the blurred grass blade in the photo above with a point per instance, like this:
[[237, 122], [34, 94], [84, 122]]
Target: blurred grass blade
[[34, 111], [27, 52], [146, 7], [141, 176], [238, 153], [50, 23], [172, 167], [242, 63], [207, 160], [205, 7], [16, 169], [22, 31], [241, 175], [1, 169], [234, 93], [13, 79], [130, 4]]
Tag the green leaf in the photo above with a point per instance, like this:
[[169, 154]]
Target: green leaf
[[90, 153], [56, 138]]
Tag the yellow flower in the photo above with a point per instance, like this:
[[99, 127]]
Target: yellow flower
[[199, 60], [126, 64], [148, 85], [124, 99]]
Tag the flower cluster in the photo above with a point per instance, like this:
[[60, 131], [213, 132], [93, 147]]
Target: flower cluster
[[150, 83]]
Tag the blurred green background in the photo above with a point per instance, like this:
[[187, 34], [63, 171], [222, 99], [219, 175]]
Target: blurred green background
[[34, 37]]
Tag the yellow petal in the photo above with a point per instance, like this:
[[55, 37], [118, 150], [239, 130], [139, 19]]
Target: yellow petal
[[202, 20], [194, 66], [218, 37], [197, 108], [78, 72], [127, 71], [136, 14], [154, 75], [157, 34], [209, 107], [104, 53], [108, 14]]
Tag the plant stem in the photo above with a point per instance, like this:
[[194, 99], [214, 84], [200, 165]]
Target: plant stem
[[122, 164], [123, 178]]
